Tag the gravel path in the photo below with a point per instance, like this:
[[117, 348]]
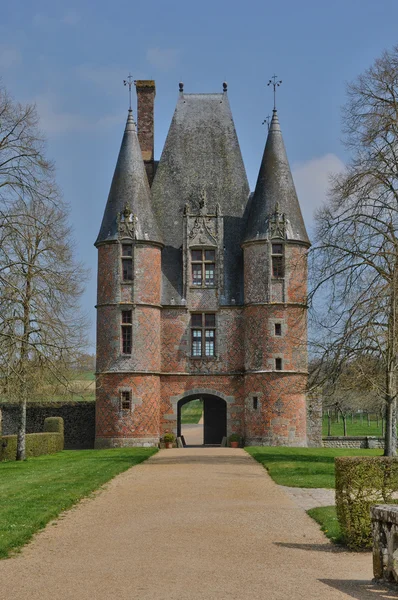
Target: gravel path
[[188, 524], [310, 497]]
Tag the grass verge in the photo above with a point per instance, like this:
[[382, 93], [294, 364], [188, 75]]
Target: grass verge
[[303, 467], [326, 517], [191, 412], [35, 491]]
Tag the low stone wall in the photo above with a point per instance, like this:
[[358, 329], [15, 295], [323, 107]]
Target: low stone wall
[[79, 421], [353, 442], [385, 535]]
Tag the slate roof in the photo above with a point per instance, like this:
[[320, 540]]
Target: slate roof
[[275, 185], [129, 186], [201, 152]]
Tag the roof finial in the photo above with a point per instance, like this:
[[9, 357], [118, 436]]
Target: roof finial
[[181, 86], [273, 81], [129, 82], [267, 120], [225, 86]]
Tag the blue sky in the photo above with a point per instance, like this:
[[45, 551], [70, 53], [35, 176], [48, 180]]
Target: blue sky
[[71, 59]]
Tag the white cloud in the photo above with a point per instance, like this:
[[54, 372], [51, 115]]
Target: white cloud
[[163, 59], [47, 22], [70, 18], [10, 57], [55, 121], [312, 180], [107, 77]]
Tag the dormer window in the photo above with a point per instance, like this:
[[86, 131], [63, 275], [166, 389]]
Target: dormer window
[[203, 268], [278, 270]]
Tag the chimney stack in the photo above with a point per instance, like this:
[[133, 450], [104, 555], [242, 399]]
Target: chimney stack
[[146, 92]]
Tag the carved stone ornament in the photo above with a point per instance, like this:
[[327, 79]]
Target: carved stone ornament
[[126, 223], [277, 224], [203, 232]]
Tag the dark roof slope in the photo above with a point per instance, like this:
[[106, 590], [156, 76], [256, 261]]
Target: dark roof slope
[[274, 187], [129, 187], [201, 153]]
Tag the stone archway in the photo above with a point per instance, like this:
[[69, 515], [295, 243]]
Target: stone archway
[[216, 413]]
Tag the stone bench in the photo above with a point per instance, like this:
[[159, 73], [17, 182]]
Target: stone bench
[[385, 542]]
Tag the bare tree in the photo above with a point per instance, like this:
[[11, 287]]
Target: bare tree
[[355, 257], [41, 327]]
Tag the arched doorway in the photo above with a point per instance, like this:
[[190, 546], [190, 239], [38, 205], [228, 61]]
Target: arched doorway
[[214, 417]]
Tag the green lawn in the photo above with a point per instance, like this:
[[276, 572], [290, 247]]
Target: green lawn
[[326, 517], [35, 491], [355, 427], [303, 467], [191, 412]]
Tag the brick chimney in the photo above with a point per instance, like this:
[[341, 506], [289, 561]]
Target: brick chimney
[[146, 92]]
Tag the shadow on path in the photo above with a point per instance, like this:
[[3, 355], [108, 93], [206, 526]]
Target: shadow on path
[[362, 590], [326, 547]]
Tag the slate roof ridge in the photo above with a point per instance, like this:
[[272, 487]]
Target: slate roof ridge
[[129, 188], [275, 192]]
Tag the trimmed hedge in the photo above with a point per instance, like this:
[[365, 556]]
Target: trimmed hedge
[[362, 482], [36, 445]]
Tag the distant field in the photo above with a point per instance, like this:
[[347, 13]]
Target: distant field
[[191, 412], [355, 427], [81, 389]]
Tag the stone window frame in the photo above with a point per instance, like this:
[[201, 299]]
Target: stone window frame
[[203, 262], [126, 326], [126, 259], [250, 401], [134, 401], [282, 323], [278, 266], [125, 398], [203, 328]]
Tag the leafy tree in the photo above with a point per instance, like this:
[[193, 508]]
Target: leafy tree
[[355, 257], [41, 327]]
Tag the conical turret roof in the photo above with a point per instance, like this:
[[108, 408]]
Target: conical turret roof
[[130, 189], [275, 192]]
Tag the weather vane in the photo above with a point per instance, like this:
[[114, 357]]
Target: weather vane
[[267, 120], [273, 81], [129, 82]]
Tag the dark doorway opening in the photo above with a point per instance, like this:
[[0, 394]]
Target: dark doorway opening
[[214, 418]]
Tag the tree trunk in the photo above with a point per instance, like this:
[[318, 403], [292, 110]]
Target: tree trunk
[[24, 358], [329, 424], [344, 417]]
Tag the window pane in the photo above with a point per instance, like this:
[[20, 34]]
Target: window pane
[[210, 254], [277, 249], [127, 250], [255, 403], [278, 329], [277, 266], [209, 335], [209, 274], [278, 364], [126, 339], [197, 334], [196, 320], [127, 316], [210, 320], [209, 347], [196, 254], [127, 266], [196, 274], [126, 400]]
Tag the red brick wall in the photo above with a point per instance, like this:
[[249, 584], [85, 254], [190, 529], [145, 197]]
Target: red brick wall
[[142, 421], [281, 415], [145, 116]]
